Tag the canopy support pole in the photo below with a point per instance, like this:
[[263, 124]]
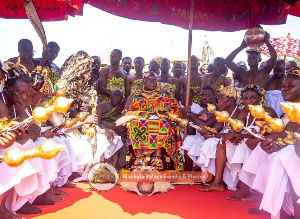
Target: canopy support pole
[[188, 82]]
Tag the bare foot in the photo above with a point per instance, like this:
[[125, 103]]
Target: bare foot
[[69, 185], [213, 187], [253, 197], [43, 200], [6, 214], [29, 209], [53, 197], [57, 191], [239, 195], [256, 211], [74, 176]]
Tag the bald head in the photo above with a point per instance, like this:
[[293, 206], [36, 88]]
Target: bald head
[[290, 66]]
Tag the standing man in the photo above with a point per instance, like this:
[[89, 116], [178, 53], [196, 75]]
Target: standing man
[[135, 82], [126, 64], [196, 79], [47, 60], [95, 74], [217, 79], [25, 49], [254, 75], [178, 70], [154, 66], [112, 76], [165, 80], [274, 85], [290, 66]]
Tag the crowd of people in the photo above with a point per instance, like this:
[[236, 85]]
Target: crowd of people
[[147, 101]]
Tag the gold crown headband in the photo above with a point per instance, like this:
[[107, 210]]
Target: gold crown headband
[[229, 91], [259, 90], [10, 65], [47, 87], [149, 73], [157, 59], [295, 72]]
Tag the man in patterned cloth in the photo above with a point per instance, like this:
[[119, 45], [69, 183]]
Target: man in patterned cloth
[[152, 133]]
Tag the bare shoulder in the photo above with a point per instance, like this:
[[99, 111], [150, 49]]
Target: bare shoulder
[[183, 79], [174, 80], [105, 69], [103, 105], [14, 59], [122, 73], [3, 110]]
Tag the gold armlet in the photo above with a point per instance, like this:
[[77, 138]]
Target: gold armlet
[[288, 140], [212, 130], [134, 113]]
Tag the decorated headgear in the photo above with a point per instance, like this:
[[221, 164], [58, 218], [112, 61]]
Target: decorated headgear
[[229, 91], [149, 73], [295, 72], [40, 80], [2, 67], [75, 75], [15, 70], [157, 60], [257, 89]]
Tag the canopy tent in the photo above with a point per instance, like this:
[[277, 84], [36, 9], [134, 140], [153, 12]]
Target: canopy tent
[[285, 47], [220, 15]]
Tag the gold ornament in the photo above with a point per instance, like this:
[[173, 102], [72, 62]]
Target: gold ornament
[[264, 126], [223, 116], [257, 111], [211, 108], [62, 104], [295, 72], [292, 111], [288, 140], [15, 157], [237, 125], [70, 122], [254, 39], [81, 116], [276, 124], [39, 114], [229, 91], [90, 131]]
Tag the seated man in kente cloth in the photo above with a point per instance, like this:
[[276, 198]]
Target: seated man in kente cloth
[[152, 131], [108, 113]]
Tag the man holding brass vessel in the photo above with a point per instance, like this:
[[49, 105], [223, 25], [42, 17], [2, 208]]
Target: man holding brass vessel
[[254, 75]]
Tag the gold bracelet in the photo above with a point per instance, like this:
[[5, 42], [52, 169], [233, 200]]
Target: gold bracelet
[[288, 140], [213, 130]]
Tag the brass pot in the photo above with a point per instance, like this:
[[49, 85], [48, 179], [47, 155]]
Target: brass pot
[[254, 39]]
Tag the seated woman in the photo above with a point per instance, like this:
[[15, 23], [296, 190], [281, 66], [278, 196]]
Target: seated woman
[[233, 148], [273, 166]]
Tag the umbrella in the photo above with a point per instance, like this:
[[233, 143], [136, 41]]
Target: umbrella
[[217, 15], [48, 10], [284, 46]]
